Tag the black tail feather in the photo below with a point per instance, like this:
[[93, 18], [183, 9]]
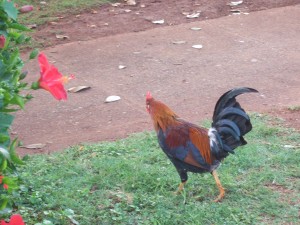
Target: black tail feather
[[230, 123]]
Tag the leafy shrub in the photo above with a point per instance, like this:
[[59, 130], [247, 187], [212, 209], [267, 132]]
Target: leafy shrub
[[11, 97]]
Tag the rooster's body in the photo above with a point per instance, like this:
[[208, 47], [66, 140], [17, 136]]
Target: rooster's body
[[195, 149]]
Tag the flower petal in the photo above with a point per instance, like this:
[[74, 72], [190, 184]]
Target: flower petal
[[16, 220], [2, 41], [56, 89], [44, 64], [51, 79], [51, 74]]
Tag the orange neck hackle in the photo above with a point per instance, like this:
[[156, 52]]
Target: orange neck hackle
[[161, 114]]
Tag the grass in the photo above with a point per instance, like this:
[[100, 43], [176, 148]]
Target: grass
[[131, 181], [51, 11], [294, 108], [43, 13]]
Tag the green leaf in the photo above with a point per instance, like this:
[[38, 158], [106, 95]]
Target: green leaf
[[10, 9], [2, 67], [18, 26], [23, 75], [3, 165], [18, 100], [4, 152], [33, 54], [21, 39], [5, 120], [3, 203], [13, 155]]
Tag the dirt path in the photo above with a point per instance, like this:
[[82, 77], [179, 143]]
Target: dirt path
[[109, 20], [190, 82]]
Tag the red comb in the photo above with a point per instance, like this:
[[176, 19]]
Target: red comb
[[148, 96]]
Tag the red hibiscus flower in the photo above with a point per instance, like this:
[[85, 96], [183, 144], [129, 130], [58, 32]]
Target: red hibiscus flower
[[14, 220], [2, 41], [5, 186], [51, 79]]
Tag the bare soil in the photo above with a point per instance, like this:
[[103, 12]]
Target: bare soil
[[123, 19]]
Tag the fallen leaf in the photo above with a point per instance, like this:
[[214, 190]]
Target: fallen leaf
[[291, 146], [235, 3], [77, 16], [130, 2], [127, 10], [197, 46], [178, 42], [112, 98], [32, 26], [158, 21], [92, 26], [58, 36], [34, 146], [116, 4], [196, 28], [235, 12], [193, 15], [78, 89], [53, 23], [94, 12], [26, 9], [121, 67], [142, 6]]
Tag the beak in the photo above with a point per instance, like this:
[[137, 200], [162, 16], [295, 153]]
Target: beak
[[148, 108]]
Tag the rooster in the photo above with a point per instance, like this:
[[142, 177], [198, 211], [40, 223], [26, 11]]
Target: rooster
[[195, 149]]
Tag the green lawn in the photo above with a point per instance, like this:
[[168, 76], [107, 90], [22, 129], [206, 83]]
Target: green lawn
[[54, 8], [131, 181]]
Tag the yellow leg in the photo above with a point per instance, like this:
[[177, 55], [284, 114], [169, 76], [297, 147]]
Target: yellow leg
[[180, 188], [221, 189]]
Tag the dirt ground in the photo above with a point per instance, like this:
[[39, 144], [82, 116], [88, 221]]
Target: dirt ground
[[124, 19], [110, 20]]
